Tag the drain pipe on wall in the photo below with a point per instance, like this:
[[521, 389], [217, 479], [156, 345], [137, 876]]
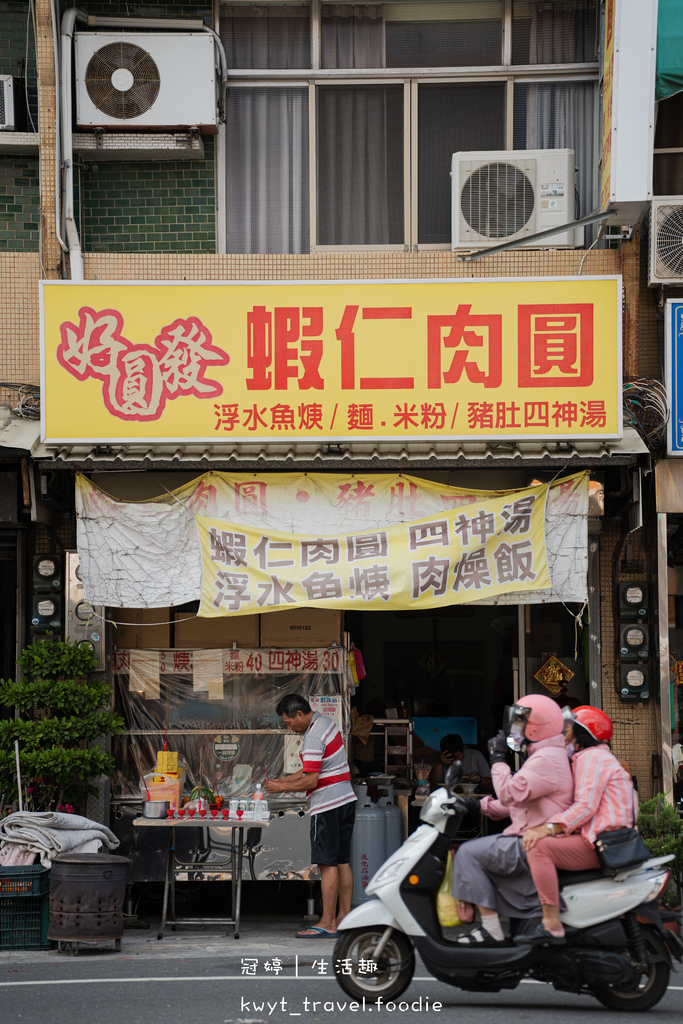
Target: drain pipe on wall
[[69, 19]]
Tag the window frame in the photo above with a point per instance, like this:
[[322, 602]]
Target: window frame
[[411, 78]]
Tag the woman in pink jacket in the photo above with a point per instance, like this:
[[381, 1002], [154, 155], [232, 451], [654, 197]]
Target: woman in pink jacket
[[604, 799], [492, 872]]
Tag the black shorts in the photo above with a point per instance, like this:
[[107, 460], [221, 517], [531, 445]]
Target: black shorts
[[331, 833]]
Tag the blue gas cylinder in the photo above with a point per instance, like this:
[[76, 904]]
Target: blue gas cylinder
[[368, 845]]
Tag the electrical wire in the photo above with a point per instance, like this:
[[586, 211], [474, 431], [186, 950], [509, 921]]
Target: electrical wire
[[646, 410]]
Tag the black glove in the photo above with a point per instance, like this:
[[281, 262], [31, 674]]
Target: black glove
[[498, 748], [472, 804]]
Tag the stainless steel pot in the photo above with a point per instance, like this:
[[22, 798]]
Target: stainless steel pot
[[155, 808]]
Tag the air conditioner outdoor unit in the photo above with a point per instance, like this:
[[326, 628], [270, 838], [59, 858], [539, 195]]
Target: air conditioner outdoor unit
[[506, 196], [7, 103], [155, 80], [666, 241]]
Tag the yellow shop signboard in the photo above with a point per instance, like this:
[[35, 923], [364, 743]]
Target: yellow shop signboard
[[333, 361]]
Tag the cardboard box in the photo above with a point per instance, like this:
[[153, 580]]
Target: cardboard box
[[192, 632], [137, 629], [301, 627]]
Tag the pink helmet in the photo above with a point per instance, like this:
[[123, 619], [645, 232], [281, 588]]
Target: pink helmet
[[533, 718]]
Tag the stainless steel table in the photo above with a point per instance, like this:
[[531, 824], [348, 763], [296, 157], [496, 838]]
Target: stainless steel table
[[173, 867]]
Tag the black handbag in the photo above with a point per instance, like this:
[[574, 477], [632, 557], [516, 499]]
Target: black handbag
[[620, 848]]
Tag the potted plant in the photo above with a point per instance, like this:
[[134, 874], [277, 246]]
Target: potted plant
[[662, 831], [62, 712]]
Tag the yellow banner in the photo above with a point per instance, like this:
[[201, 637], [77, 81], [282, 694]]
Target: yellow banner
[[494, 546], [330, 361], [607, 98]]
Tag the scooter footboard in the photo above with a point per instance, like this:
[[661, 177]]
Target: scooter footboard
[[478, 970], [373, 912]]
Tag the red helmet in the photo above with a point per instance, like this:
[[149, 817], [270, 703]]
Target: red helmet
[[531, 719], [594, 721]]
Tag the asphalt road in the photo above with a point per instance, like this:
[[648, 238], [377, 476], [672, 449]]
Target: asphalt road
[[201, 989]]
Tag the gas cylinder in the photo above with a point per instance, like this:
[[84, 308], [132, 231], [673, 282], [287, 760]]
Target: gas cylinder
[[393, 822], [368, 844]]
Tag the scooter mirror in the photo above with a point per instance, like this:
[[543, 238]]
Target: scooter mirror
[[453, 775]]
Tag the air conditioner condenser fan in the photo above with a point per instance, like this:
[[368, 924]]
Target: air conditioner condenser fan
[[122, 80], [669, 242], [497, 200]]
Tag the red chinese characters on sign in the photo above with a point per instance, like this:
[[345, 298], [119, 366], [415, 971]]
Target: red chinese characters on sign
[[139, 379], [478, 345], [278, 341], [555, 345]]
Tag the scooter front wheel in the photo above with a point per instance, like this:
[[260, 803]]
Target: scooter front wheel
[[361, 974]]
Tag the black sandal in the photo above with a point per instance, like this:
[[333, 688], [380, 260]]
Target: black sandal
[[539, 936]]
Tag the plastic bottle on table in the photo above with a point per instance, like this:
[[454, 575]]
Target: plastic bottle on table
[[261, 811]]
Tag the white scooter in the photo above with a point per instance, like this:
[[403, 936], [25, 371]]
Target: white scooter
[[617, 949]]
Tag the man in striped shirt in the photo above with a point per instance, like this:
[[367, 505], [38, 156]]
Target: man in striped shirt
[[326, 778]]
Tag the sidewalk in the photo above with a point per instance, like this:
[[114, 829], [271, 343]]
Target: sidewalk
[[259, 935]]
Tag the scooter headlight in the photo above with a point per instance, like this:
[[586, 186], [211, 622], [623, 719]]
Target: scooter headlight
[[389, 871]]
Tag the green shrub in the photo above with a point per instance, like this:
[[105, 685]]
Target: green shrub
[[62, 712]]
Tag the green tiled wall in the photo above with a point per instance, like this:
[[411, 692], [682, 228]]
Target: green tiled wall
[[19, 216], [19, 212], [13, 51], [150, 207]]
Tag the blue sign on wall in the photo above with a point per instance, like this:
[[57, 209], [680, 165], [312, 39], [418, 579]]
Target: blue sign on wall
[[674, 374]]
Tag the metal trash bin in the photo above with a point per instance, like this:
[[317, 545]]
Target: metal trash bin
[[87, 891]]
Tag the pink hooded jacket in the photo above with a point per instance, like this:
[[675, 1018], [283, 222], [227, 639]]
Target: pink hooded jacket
[[543, 787]]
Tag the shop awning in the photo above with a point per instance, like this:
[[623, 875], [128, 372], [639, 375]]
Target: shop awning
[[384, 455], [19, 434], [669, 78]]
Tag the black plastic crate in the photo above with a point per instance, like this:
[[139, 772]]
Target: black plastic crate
[[24, 921], [25, 880]]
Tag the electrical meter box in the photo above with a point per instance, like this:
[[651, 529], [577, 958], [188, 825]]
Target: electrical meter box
[[633, 601], [47, 573], [634, 682], [84, 622], [634, 642], [46, 613]]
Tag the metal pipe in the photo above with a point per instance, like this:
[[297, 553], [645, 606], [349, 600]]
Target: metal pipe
[[105, 21], [592, 218], [54, 18], [664, 674], [16, 755], [69, 19]]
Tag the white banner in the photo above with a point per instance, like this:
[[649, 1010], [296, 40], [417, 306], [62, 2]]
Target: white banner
[[148, 554]]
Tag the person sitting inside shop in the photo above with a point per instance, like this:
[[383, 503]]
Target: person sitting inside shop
[[474, 765], [326, 778]]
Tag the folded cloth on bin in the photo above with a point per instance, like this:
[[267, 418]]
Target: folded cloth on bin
[[49, 833], [13, 855]]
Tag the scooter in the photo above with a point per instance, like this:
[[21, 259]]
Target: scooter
[[616, 949]]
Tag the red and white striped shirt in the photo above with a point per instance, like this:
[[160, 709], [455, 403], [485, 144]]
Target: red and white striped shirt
[[604, 797], [323, 752]]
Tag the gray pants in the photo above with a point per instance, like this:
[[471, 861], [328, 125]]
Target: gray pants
[[493, 872]]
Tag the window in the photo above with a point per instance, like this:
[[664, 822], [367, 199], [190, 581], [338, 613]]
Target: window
[[342, 117]]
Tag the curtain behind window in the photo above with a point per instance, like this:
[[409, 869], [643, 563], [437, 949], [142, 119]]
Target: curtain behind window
[[560, 116], [352, 36], [452, 118], [360, 165], [562, 32], [266, 37], [267, 191]]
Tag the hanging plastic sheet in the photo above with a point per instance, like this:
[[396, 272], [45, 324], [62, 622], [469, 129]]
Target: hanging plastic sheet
[[148, 555], [225, 730]]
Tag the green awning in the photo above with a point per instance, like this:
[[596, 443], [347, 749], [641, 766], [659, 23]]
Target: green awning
[[669, 49]]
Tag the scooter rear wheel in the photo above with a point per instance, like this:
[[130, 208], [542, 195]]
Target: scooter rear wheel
[[392, 973], [650, 987]]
